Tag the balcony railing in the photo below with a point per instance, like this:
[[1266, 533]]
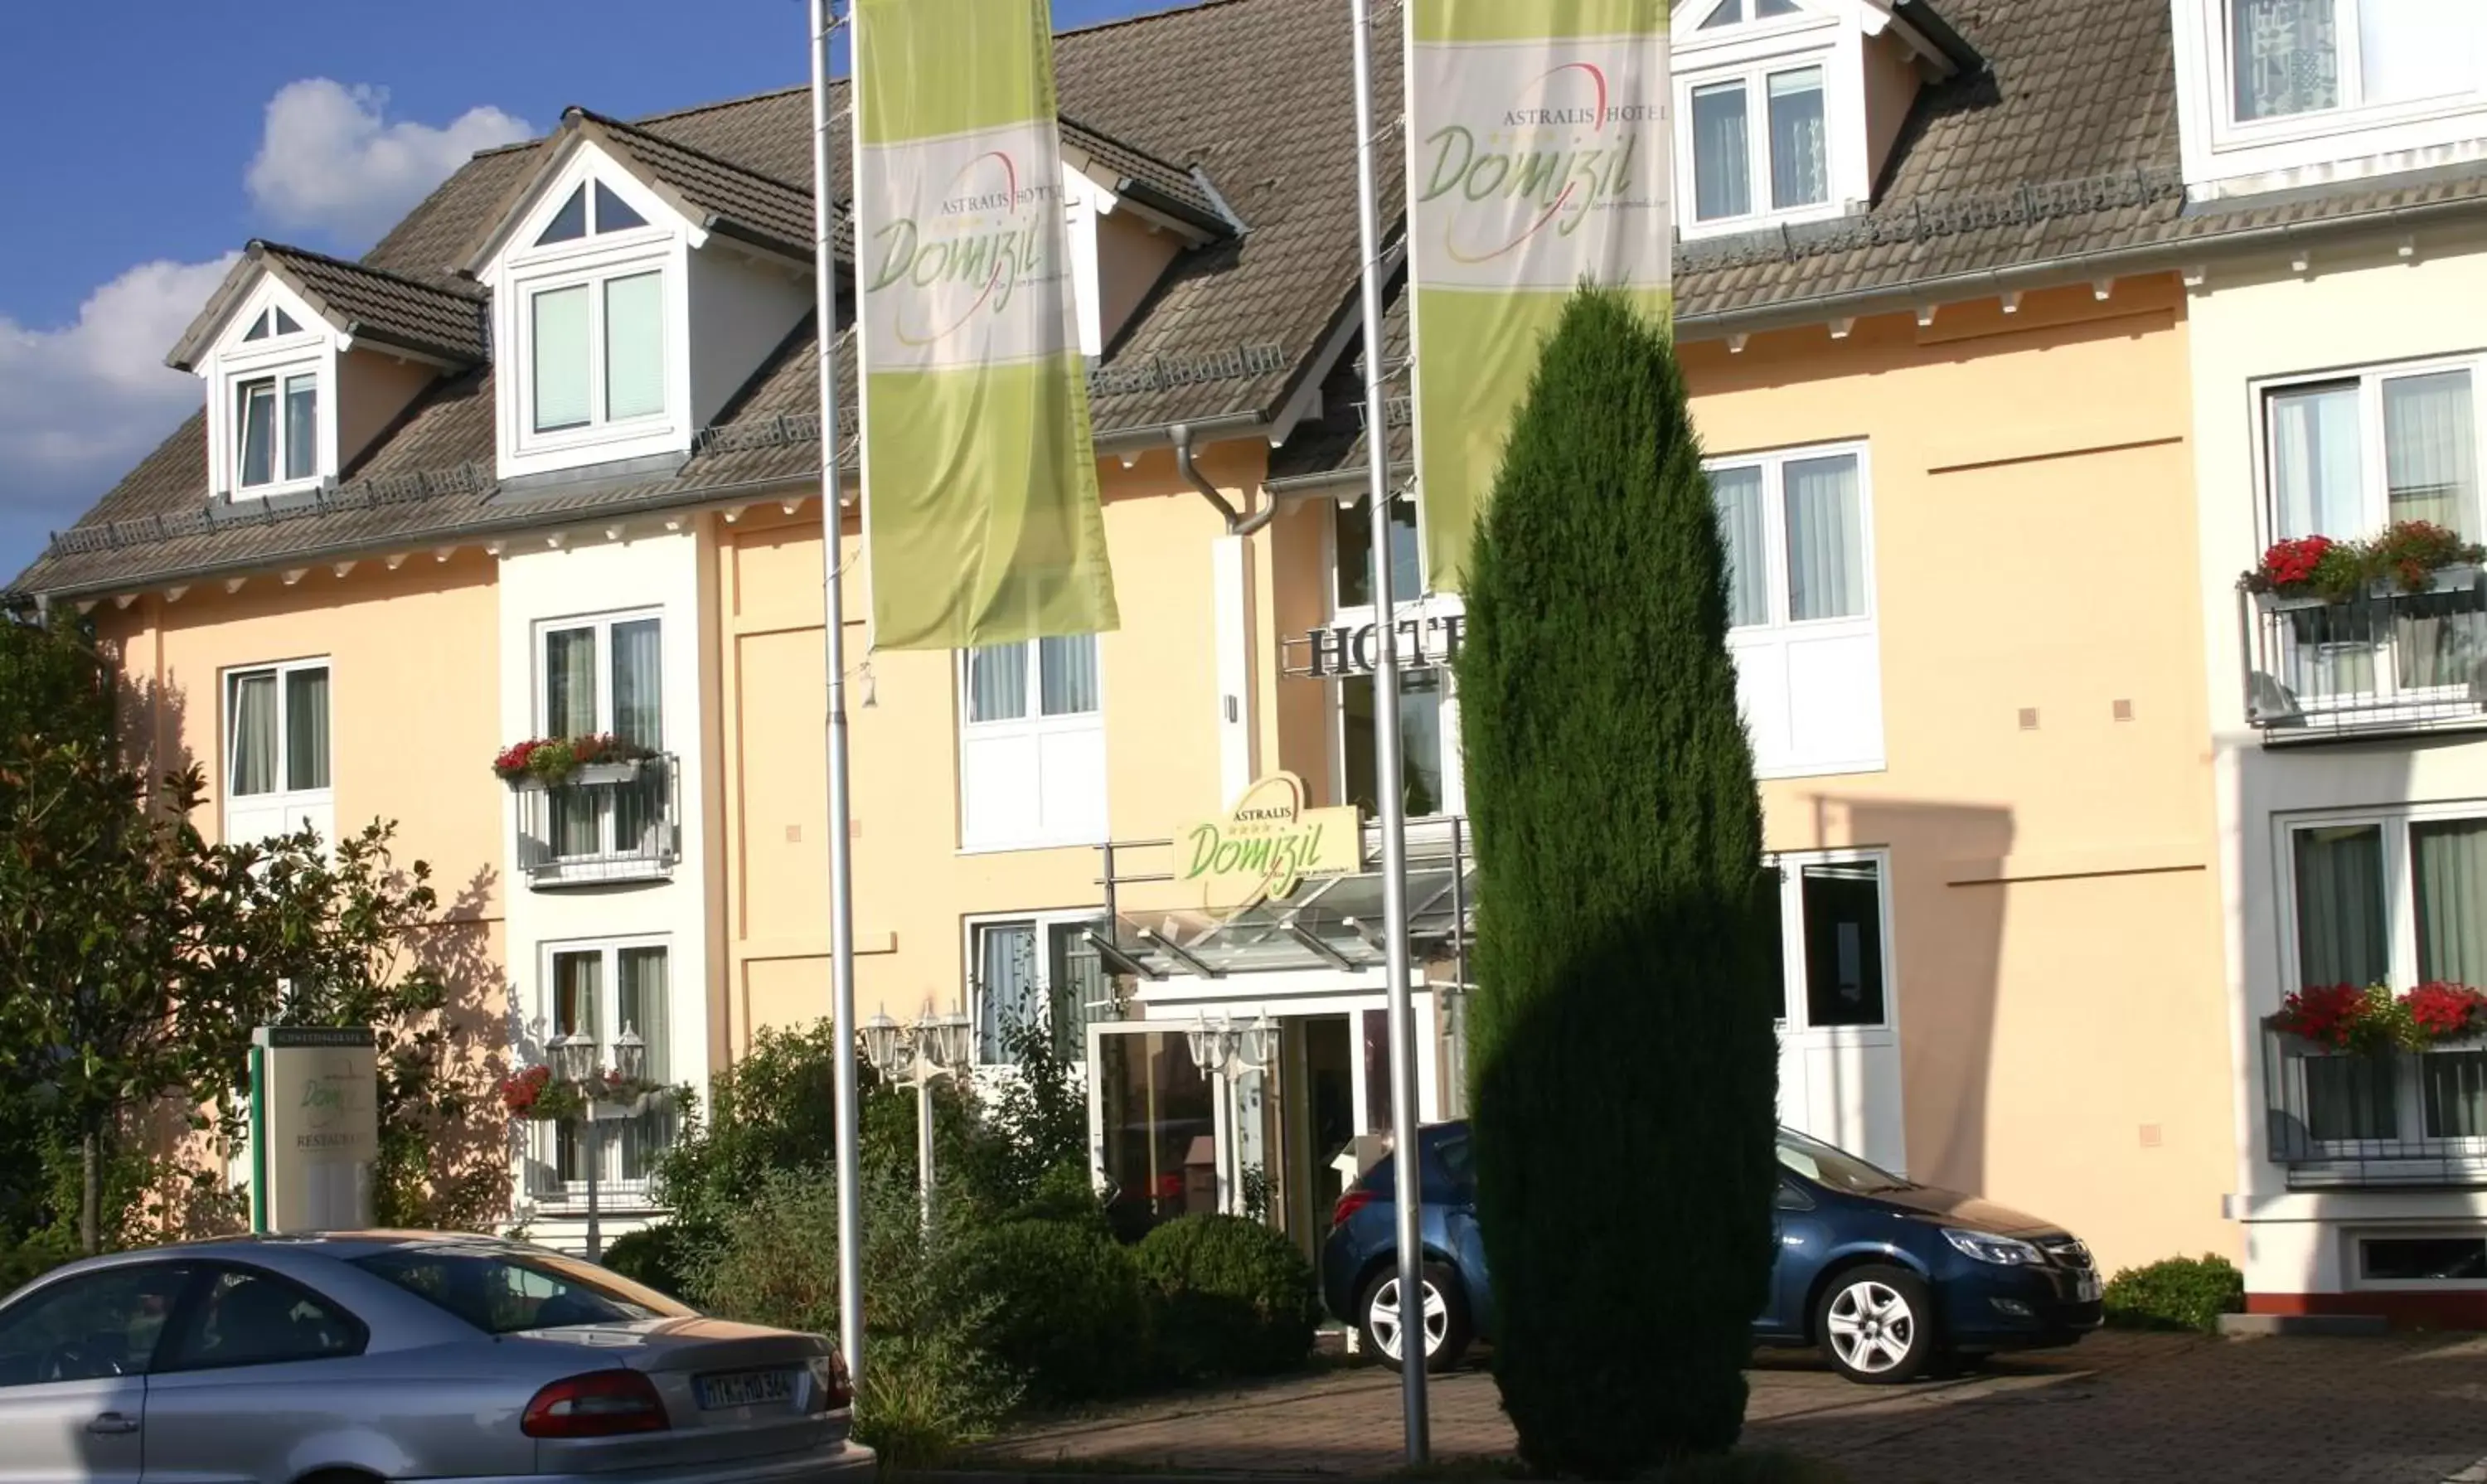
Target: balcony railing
[[2395, 1118], [613, 822], [2385, 660]]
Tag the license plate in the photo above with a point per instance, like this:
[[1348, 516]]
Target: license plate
[[2086, 1288], [745, 1389]]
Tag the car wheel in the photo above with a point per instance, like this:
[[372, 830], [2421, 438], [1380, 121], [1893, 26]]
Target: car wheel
[[1876, 1324], [1446, 1318]]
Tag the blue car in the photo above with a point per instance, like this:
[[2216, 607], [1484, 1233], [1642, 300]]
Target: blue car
[[1892, 1280]]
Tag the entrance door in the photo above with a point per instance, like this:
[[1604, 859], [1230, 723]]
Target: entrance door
[[1839, 1048], [1152, 1125], [1316, 1120]]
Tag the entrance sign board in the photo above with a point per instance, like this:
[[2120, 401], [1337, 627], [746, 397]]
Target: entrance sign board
[[1263, 847], [1330, 654], [314, 1128]]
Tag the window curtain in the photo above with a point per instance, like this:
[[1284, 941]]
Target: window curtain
[[1721, 152], [301, 425], [569, 682], [254, 732], [998, 683], [2417, 48], [2431, 450], [1352, 538], [578, 983], [1420, 742], [1825, 536], [306, 729], [1007, 987], [1800, 153], [634, 346], [2286, 55], [559, 333], [1067, 675], [258, 457], [2450, 860], [1738, 494], [2316, 458], [2342, 932], [1079, 987], [640, 1002], [638, 683]]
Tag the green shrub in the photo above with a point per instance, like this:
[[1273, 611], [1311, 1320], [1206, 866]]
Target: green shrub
[[1619, 868], [23, 1262], [1067, 1311], [931, 1381], [652, 1255], [1235, 1298], [2177, 1293]]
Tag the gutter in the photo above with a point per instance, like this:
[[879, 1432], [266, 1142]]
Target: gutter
[[1236, 525]]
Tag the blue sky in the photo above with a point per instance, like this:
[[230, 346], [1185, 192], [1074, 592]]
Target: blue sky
[[153, 139]]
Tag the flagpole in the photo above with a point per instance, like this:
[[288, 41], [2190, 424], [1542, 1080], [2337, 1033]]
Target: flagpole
[[1388, 764], [833, 650]]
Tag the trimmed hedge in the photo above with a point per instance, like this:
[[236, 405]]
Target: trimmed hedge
[[2177, 1293], [1234, 1297], [1067, 1311]]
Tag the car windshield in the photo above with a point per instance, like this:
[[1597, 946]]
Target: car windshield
[[505, 1292], [1835, 1168]]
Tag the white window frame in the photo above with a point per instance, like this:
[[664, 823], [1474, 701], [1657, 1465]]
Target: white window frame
[[602, 624], [2400, 885], [553, 1192], [1794, 980], [1033, 726], [599, 428], [308, 350], [1779, 628], [1045, 923], [2374, 478], [294, 805], [2352, 111], [1756, 79], [1424, 607]]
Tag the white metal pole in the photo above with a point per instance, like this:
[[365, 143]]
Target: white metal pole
[[924, 1146], [1386, 761], [834, 652]]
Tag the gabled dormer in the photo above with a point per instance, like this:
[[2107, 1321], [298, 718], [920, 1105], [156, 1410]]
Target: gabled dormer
[[636, 285], [308, 358], [1131, 215], [2279, 93], [1787, 109]]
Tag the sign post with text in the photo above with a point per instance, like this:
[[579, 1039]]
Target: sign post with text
[[314, 1128]]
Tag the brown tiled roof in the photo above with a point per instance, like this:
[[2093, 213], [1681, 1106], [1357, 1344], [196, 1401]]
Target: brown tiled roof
[[438, 316], [1164, 182], [2057, 164]]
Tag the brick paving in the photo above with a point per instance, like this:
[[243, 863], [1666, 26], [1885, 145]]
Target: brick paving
[[2138, 1408]]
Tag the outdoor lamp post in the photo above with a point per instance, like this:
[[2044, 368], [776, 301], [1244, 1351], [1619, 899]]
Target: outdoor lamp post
[[574, 1061], [917, 1056], [1231, 1052]]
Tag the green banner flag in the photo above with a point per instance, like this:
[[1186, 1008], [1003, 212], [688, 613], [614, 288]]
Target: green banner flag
[[1538, 158], [982, 523]]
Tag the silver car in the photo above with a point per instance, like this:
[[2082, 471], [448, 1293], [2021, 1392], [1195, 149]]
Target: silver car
[[355, 1357]]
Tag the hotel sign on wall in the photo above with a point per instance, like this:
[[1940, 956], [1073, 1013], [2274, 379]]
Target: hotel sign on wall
[[1264, 847], [314, 1126], [1328, 653]]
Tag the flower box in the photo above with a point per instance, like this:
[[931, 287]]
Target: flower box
[[605, 772], [2291, 602]]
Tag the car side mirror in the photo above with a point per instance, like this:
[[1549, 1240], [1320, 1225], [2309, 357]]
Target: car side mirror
[[1790, 1198]]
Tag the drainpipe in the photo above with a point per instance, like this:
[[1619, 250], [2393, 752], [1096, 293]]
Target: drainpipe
[[1236, 525]]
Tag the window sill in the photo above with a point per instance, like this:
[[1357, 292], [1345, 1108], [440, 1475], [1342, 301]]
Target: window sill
[[565, 876], [1851, 768]]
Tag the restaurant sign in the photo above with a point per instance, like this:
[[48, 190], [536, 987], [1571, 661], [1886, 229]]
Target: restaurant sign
[[1266, 846], [314, 1128], [1329, 654]]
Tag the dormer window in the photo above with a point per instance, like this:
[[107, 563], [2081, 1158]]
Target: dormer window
[[596, 353], [573, 221], [267, 390], [1787, 169], [2293, 57], [272, 321], [1732, 12], [277, 425]]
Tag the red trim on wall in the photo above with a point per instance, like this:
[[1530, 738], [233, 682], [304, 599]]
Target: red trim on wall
[[2446, 1308]]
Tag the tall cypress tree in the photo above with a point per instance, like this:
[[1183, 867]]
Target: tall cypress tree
[[1624, 1060]]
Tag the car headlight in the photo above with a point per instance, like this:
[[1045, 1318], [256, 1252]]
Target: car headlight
[[2002, 1252]]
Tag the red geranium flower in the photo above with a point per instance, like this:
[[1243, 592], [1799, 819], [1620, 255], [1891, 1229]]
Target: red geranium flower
[[519, 1092], [2326, 1013], [2290, 564], [2446, 1011]]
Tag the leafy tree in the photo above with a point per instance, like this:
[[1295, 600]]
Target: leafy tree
[[1619, 849]]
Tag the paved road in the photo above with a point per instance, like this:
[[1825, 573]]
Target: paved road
[[2133, 1409]]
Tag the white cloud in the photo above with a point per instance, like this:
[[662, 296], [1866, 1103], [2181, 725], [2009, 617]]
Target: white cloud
[[81, 403], [329, 160]]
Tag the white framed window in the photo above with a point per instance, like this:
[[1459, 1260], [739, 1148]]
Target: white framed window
[[270, 390], [278, 757], [604, 676], [601, 989], [1736, 13], [593, 353], [2395, 897], [1431, 775], [1758, 145], [2406, 1259], [2344, 456], [1839, 1001], [2288, 59], [1032, 744], [276, 424], [1799, 531], [1035, 968]]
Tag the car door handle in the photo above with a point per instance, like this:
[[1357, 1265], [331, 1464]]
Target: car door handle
[[112, 1422]]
